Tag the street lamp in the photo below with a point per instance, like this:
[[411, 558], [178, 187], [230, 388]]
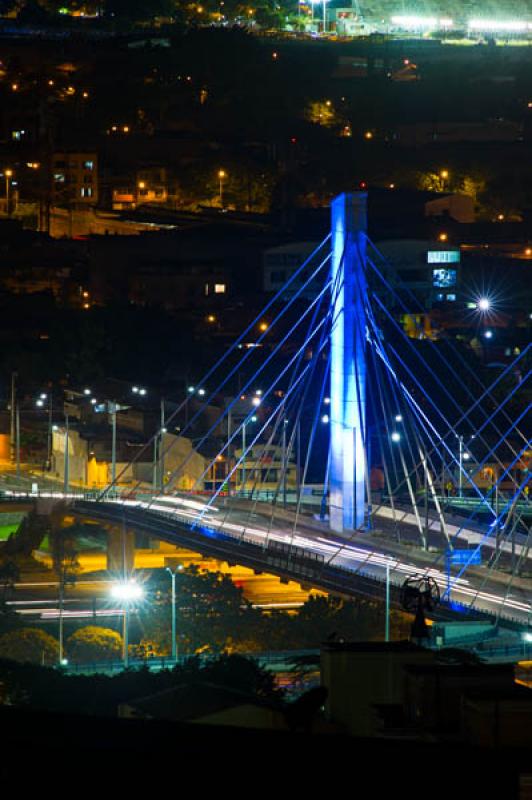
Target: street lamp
[[8, 173], [251, 419], [325, 16], [127, 592], [483, 304], [172, 574], [40, 403], [221, 175], [112, 408]]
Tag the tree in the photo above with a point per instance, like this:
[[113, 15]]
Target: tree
[[243, 674], [93, 643], [29, 645]]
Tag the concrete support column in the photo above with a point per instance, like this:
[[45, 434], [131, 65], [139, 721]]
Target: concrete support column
[[348, 363], [120, 551]]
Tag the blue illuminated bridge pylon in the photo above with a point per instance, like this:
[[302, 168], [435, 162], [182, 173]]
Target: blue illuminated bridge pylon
[[421, 455], [347, 459]]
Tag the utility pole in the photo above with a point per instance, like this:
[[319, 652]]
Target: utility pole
[[426, 495], [161, 446], [17, 445], [460, 462], [66, 461], [155, 481], [49, 442], [244, 456], [298, 458], [12, 413], [284, 464], [229, 449], [173, 573], [387, 612], [112, 409]]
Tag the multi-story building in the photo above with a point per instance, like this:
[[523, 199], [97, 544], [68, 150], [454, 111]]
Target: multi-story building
[[74, 178]]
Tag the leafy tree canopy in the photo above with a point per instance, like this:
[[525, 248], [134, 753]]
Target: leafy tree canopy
[[29, 645], [92, 644]]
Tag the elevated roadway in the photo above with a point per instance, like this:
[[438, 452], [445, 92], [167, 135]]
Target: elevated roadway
[[305, 551], [309, 554]]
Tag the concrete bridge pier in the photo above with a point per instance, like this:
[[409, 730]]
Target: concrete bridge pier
[[120, 551]]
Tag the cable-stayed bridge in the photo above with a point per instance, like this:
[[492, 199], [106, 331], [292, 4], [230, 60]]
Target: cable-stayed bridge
[[338, 472]]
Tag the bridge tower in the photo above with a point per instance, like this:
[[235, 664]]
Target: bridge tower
[[347, 458]]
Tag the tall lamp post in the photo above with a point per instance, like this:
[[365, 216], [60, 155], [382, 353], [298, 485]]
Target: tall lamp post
[[387, 610], [127, 592], [251, 419], [173, 573], [325, 16], [40, 402], [8, 175], [111, 407], [14, 377], [222, 174]]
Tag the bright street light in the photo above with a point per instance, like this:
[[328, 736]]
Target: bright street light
[[483, 304], [129, 590], [396, 437], [221, 175], [398, 418], [126, 592]]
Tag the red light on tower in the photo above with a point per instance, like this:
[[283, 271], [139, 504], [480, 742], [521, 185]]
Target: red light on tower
[[363, 185]]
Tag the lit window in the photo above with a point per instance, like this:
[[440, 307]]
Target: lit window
[[88, 165], [451, 298], [206, 290], [59, 177], [219, 288]]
